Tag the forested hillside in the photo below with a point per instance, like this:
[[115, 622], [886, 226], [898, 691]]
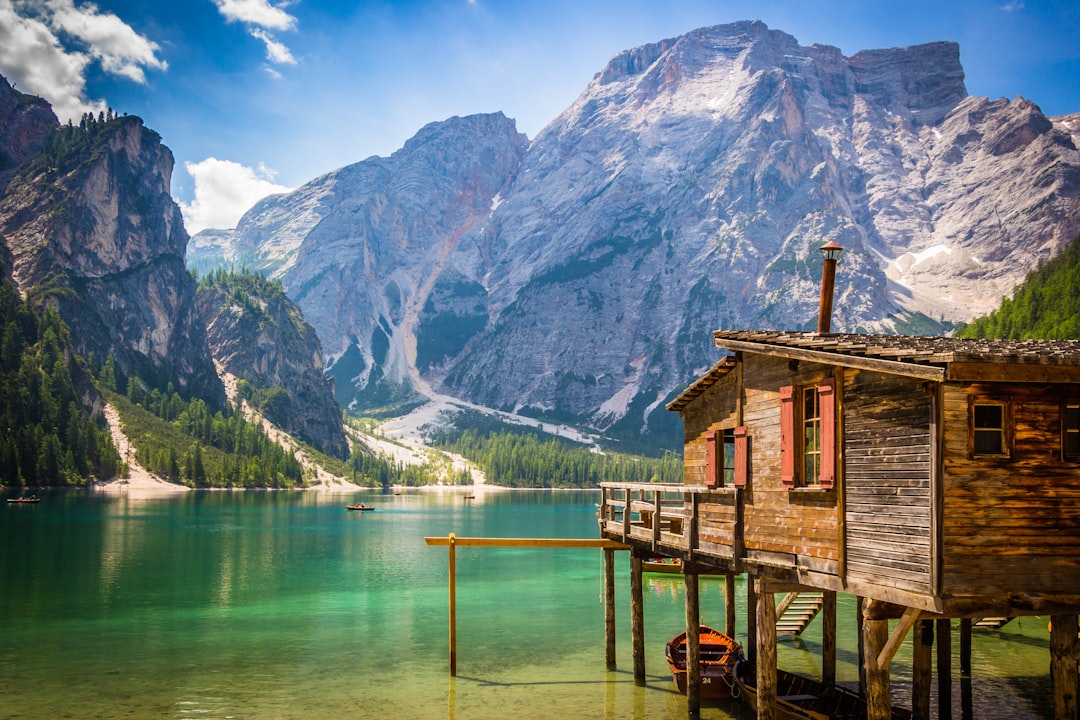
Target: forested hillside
[[1046, 306], [46, 436]]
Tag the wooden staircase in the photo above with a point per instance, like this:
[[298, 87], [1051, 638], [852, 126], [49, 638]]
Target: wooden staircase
[[990, 623], [796, 611]]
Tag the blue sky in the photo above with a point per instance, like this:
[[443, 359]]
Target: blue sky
[[256, 96]]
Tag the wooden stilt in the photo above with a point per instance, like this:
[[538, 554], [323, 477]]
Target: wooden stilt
[[609, 608], [828, 639], [1063, 665], [878, 695], [922, 669], [766, 652], [751, 620], [637, 618], [965, 646], [729, 605], [862, 646], [452, 545], [944, 668], [693, 642]]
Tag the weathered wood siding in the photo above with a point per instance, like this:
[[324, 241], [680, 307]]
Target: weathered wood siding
[[714, 409], [887, 473], [1010, 525], [783, 525]]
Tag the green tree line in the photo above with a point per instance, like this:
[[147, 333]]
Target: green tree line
[[47, 438], [1046, 306], [528, 461]]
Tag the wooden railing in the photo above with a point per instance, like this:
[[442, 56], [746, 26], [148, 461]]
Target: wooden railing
[[666, 517]]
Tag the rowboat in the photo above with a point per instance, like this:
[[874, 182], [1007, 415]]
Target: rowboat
[[24, 499], [359, 506], [661, 565], [800, 698], [718, 656]]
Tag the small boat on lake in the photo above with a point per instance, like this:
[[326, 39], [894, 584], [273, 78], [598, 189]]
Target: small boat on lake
[[662, 565], [718, 655], [24, 499], [800, 698], [359, 506]]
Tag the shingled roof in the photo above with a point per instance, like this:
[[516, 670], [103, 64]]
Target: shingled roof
[[915, 356]]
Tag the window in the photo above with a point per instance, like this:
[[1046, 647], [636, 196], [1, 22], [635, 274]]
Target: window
[[988, 429], [727, 457], [1070, 431], [808, 435]]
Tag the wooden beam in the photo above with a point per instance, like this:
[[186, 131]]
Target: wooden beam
[[766, 653], [899, 633], [892, 367], [453, 605], [944, 668], [529, 542], [965, 647], [729, 604], [922, 659], [828, 639], [878, 695]]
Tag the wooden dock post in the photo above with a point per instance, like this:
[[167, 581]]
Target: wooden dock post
[[637, 618], [751, 620], [965, 646], [944, 668], [452, 545], [876, 637], [729, 604], [828, 639], [766, 651], [1063, 665], [693, 641], [922, 660], [609, 607]]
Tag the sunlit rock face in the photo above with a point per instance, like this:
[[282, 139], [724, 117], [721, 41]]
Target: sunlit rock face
[[91, 227], [686, 189]]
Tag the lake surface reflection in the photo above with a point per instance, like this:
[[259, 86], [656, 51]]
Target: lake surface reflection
[[285, 605]]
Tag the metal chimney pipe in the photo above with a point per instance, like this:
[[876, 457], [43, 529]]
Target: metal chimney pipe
[[831, 251]]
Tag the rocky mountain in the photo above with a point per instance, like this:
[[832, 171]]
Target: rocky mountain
[[257, 334], [90, 224], [579, 276]]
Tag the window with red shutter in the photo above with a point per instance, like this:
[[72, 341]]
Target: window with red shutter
[[787, 436], [742, 457], [827, 409]]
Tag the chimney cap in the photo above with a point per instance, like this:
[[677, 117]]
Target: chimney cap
[[831, 250]]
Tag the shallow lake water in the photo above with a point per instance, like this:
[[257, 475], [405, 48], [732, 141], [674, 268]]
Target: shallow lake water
[[284, 605]]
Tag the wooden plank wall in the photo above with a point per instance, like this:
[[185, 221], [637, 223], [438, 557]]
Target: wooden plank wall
[[779, 521], [887, 466], [1010, 525]]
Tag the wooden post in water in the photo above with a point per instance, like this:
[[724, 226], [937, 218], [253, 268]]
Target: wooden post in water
[[875, 637], [637, 618], [693, 641], [452, 545], [965, 646], [766, 651], [609, 607], [729, 604], [922, 660], [1063, 665], [944, 668], [751, 620], [828, 639]]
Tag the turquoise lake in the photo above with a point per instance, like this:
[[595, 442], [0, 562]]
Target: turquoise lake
[[284, 605]]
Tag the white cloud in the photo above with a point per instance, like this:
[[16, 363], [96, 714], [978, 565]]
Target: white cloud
[[275, 51], [45, 49], [256, 12], [224, 191], [259, 16]]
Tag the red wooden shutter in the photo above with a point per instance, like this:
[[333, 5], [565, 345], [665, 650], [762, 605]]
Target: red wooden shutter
[[712, 470], [827, 406], [787, 436], [742, 456]]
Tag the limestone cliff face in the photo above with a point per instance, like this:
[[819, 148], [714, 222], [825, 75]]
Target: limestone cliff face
[[687, 189], [90, 225], [258, 334], [25, 122]]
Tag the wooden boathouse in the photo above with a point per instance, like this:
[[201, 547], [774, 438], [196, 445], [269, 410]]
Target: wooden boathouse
[[934, 478]]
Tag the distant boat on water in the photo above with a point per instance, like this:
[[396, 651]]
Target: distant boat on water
[[24, 499], [359, 506]]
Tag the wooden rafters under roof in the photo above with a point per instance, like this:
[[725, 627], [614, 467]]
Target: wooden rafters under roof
[[699, 386]]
